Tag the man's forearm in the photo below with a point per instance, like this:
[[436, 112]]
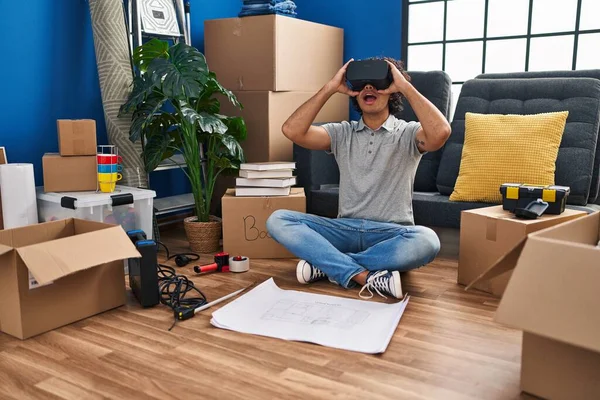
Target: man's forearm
[[301, 120], [435, 126]]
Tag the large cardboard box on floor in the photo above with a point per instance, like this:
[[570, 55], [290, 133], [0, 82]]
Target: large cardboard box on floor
[[265, 113], [553, 297], [69, 174], [244, 223], [487, 234], [56, 273], [272, 52]]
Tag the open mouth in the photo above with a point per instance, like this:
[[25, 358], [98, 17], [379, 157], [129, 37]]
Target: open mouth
[[369, 98]]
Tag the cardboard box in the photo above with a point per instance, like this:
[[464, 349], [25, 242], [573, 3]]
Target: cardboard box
[[272, 52], [553, 297], [76, 137], [487, 234], [56, 273], [266, 112], [69, 174], [244, 223]]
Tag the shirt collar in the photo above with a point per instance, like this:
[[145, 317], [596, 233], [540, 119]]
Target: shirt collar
[[388, 125]]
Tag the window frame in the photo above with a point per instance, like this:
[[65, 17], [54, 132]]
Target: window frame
[[528, 36]]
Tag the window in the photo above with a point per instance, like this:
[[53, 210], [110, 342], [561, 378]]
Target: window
[[466, 38]]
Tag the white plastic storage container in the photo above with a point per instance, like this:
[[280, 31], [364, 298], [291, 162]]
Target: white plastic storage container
[[126, 206]]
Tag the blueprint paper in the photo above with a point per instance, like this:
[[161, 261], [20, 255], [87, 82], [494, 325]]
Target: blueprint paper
[[348, 324]]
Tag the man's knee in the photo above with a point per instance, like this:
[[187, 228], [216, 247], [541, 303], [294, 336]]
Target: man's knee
[[277, 219], [429, 241]]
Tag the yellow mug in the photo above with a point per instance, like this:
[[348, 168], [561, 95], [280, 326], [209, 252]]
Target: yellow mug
[[108, 181]]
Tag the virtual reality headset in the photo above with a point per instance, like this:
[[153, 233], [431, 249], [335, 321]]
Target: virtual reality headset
[[375, 72]]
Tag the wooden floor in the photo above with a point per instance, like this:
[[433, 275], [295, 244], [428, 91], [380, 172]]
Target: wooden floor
[[446, 347]]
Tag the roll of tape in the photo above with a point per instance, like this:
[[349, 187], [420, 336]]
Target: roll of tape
[[239, 264]]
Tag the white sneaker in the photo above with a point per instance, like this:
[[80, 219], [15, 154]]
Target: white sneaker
[[383, 282], [307, 273]]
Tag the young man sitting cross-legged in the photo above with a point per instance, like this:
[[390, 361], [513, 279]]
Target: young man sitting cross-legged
[[374, 236]]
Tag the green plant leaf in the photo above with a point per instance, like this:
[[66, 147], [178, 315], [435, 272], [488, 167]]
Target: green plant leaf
[[156, 150], [206, 122], [234, 150], [236, 127], [214, 86], [144, 114], [210, 105], [154, 49], [211, 124], [183, 75], [142, 88], [222, 162]]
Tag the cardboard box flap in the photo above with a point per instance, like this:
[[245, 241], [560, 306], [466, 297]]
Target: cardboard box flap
[[505, 263], [553, 292], [4, 249], [55, 259], [580, 230]]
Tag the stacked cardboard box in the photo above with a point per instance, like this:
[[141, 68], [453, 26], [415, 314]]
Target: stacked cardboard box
[[274, 64], [245, 223], [74, 168]]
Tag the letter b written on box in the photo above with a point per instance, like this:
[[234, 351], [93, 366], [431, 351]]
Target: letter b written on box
[[251, 232]]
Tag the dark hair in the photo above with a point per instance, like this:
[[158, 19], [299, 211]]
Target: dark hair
[[395, 102]]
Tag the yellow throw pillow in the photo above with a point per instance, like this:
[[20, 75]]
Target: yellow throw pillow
[[507, 148]]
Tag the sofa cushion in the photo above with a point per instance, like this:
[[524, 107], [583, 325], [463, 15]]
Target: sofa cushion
[[579, 96], [429, 209], [436, 210], [436, 86], [525, 150], [585, 73]]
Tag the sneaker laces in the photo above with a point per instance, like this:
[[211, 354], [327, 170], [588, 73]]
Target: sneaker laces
[[316, 273], [377, 281]]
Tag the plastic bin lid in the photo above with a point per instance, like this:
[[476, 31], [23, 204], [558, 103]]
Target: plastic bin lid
[[91, 199]]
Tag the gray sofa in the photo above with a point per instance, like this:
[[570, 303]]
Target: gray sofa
[[526, 93]]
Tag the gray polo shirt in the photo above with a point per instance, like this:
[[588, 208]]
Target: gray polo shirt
[[377, 169]]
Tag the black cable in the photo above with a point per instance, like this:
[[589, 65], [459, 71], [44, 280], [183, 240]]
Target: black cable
[[165, 247], [181, 259], [173, 290]]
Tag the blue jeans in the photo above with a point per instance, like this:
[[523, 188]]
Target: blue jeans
[[344, 247]]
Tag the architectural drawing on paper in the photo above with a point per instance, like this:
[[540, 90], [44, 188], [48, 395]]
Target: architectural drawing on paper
[[317, 313]]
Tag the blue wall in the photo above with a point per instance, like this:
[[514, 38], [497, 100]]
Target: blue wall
[[371, 28], [48, 72], [49, 65]]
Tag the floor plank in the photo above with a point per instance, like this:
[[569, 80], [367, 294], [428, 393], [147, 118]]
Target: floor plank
[[446, 346]]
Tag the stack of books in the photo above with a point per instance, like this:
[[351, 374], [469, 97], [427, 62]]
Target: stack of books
[[265, 179]]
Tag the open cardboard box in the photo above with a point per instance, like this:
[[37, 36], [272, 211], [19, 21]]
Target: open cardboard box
[[553, 295], [488, 233], [59, 272]]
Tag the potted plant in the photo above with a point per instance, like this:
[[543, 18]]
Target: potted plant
[[175, 102]]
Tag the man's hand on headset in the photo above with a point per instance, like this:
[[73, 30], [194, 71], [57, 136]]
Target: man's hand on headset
[[399, 85], [338, 82]]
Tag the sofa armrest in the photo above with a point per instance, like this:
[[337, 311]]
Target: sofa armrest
[[314, 168]]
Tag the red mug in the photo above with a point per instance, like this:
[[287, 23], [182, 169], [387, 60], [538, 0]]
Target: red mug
[[109, 159]]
